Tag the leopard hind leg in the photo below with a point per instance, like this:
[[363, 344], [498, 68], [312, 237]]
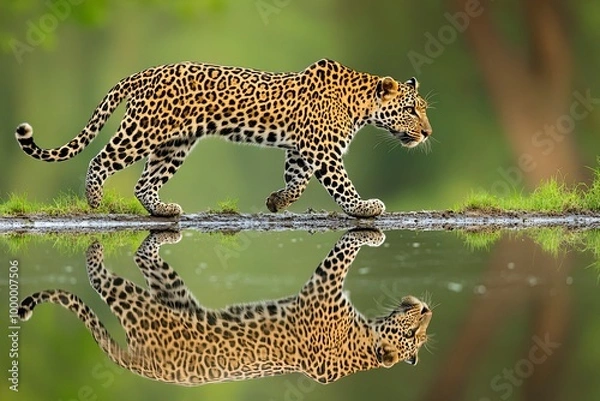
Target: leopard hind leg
[[297, 174], [121, 152]]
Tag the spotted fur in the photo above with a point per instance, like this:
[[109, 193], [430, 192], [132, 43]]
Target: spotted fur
[[312, 114], [174, 339]]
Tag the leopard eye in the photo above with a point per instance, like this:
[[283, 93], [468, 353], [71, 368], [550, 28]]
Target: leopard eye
[[411, 333], [410, 110]]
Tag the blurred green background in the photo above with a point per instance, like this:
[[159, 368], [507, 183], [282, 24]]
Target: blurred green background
[[60, 57]]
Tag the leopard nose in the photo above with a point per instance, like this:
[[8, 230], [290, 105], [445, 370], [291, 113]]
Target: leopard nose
[[425, 133]]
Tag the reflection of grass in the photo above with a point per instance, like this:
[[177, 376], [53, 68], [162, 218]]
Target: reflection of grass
[[553, 240], [550, 239], [73, 243], [479, 239], [592, 244], [227, 239], [550, 197], [70, 204]]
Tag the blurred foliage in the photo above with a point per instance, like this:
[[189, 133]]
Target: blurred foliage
[[55, 85]]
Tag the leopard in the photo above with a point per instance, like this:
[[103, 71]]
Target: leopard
[[172, 338], [312, 114]]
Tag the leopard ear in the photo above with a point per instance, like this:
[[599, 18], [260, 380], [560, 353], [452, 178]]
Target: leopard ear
[[387, 88], [413, 83]]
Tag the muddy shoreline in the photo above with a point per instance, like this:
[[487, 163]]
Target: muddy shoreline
[[310, 221]]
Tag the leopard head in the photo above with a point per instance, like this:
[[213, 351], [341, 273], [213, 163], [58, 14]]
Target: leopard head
[[400, 335], [400, 110]]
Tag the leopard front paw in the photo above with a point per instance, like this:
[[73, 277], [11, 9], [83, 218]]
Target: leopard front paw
[[277, 201], [366, 208], [166, 210], [94, 196], [94, 252], [373, 237], [166, 236]]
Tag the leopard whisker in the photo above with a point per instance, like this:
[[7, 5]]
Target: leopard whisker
[[429, 96], [430, 344]]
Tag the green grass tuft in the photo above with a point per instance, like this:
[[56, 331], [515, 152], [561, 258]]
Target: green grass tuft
[[17, 204], [227, 206], [481, 201], [70, 204], [551, 196], [115, 203], [591, 193]]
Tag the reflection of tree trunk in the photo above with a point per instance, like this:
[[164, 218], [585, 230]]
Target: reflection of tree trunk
[[535, 285], [551, 321], [529, 97]]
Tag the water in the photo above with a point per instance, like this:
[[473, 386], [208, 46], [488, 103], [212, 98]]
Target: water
[[512, 321]]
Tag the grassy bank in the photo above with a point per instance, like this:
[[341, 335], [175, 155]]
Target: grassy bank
[[69, 204], [73, 205], [551, 196]]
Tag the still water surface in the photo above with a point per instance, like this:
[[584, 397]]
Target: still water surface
[[511, 322]]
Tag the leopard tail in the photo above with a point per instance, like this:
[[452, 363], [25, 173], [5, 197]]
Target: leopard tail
[[103, 111], [73, 303]]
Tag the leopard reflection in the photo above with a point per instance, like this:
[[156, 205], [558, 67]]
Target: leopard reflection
[[172, 338]]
